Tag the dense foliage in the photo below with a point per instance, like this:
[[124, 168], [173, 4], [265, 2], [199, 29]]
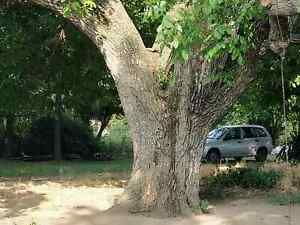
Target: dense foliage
[[117, 139], [252, 178], [45, 56], [218, 26], [294, 153], [76, 139]]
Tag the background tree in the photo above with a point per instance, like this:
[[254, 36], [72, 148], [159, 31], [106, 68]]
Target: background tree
[[50, 68]]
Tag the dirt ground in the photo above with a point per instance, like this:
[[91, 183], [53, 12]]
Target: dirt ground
[[54, 203]]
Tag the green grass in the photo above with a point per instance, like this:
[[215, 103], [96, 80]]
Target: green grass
[[217, 186], [15, 169], [284, 198]]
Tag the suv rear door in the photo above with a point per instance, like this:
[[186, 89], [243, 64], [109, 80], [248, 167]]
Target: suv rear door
[[250, 141], [263, 139], [232, 143]]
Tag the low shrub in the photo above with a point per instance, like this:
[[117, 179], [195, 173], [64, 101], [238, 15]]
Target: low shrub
[[203, 207], [15, 147], [77, 138], [117, 140], [252, 178], [284, 198], [290, 181]]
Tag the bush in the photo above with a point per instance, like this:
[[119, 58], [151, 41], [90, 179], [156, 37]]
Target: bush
[[15, 147], [213, 186], [117, 140], [1, 146], [294, 154], [76, 139], [284, 198]]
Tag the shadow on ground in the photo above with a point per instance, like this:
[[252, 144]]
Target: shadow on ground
[[15, 200]]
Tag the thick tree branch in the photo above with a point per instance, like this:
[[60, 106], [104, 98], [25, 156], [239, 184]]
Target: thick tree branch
[[111, 30], [282, 7], [217, 98]]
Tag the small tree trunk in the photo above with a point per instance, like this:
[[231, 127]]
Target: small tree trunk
[[9, 133], [104, 124], [58, 129]]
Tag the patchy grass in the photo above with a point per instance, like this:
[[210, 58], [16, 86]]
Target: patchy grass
[[290, 181], [17, 169], [217, 181], [284, 198], [248, 178], [216, 186]]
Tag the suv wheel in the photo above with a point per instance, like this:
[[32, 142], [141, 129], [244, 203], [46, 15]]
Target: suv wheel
[[214, 156], [261, 155]]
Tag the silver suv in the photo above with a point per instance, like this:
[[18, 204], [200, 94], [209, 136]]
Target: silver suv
[[238, 142]]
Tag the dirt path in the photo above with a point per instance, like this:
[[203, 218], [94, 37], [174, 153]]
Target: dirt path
[[54, 204]]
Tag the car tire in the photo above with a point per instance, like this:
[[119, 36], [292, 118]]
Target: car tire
[[214, 156], [261, 155]]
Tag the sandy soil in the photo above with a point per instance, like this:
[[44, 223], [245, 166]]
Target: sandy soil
[[52, 203]]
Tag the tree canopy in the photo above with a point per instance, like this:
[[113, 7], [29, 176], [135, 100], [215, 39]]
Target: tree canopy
[[42, 55]]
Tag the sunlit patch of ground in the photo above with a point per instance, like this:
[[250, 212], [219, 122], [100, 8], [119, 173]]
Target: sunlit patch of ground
[[48, 202], [90, 200], [52, 203]]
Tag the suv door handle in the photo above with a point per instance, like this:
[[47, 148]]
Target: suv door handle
[[256, 140], [239, 142]]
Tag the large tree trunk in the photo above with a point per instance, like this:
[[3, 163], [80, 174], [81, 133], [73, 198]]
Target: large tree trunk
[[166, 166], [168, 148], [166, 172], [168, 127], [282, 7]]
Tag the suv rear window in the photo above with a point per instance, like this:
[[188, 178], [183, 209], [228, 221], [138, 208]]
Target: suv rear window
[[259, 132], [248, 132], [253, 132]]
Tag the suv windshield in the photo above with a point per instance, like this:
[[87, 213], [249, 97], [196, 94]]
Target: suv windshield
[[216, 133]]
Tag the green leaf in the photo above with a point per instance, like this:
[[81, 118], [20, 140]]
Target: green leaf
[[185, 55]]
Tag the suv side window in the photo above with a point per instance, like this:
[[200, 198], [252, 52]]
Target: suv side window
[[233, 134], [248, 132], [259, 132]]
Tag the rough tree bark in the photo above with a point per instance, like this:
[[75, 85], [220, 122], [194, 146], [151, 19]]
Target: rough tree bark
[[282, 7], [167, 126]]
